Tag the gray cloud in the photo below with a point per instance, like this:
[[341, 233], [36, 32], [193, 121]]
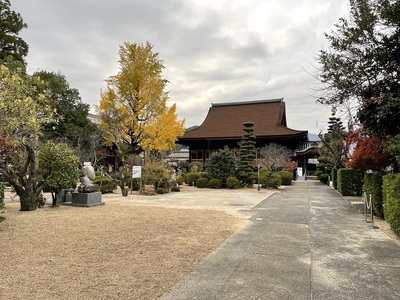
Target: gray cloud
[[213, 51]]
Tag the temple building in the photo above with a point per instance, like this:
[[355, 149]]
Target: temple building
[[223, 126]]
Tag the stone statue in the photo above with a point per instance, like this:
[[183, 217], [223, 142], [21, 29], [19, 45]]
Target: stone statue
[[86, 176]]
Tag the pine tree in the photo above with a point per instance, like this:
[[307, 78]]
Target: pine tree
[[247, 153]]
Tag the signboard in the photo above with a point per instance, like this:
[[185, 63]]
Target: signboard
[[136, 171]]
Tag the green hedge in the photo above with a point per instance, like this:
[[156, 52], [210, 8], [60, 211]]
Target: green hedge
[[373, 186], [202, 182], [274, 180], [191, 178], [232, 182], [286, 177], [215, 183], [334, 177], [204, 175], [350, 182], [391, 201]]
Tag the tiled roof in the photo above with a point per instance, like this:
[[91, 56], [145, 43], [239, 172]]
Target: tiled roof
[[225, 121]]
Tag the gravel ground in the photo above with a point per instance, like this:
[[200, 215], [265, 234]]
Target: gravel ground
[[120, 250]]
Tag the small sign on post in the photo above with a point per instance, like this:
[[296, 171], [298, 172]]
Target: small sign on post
[[136, 171]]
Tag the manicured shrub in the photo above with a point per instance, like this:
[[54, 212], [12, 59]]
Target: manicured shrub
[[334, 177], [202, 182], [391, 201], [264, 175], [215, 183], [253, 178], [160, 190], [232, 182], [180, 180], [204, 175], [373, 186], [175, 189], [286, 177], [195, 166], [350, 182], [274, 180], [191, 178], [323, 178]]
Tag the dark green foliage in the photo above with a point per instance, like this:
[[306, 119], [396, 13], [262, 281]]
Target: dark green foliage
[[286, 177], [215, 183], [324, 178], [350, 182], [195, 166], [73, 126], [104, 184], [134, 183], [160, 191], [204, 174], [247, 153], [264, 175], [191, 178], [324, 168], [13, 49], [391, 196], [59, 167], [175, 189], [232, 182], [274, 181], [1, 196], [373, 186], [202, 182], [222, 164], [334, 177]]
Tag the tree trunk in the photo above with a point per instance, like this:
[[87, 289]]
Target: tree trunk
[[54, 198], [28, 200]]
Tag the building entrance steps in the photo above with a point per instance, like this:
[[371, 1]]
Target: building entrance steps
[[306, 242]]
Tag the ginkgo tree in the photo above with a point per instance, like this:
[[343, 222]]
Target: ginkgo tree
[[133, 109]]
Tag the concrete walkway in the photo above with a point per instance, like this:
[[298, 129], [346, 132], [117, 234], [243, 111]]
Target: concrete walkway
[[304, 243]]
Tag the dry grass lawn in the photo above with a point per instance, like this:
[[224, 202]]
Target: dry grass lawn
[[115, 251]]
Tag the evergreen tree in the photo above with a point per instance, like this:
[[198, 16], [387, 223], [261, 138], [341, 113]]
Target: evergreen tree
[[247, 153], [335, 148], [13, 49], [222, 164]]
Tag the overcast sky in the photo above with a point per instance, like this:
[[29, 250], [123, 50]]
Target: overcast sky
[[213, 50]]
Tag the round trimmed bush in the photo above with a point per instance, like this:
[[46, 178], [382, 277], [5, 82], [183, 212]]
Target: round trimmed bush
[[195, 166], [175, 189], [180, 180], [202, 182], [286, 177], [215, 183], [274, 180], [160, 190], [232, 182], [191, 178], [204, 174]]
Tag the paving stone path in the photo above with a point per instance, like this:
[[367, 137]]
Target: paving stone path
[[307, 242]]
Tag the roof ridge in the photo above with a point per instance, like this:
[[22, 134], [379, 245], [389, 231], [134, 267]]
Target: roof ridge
[[280, 100]]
